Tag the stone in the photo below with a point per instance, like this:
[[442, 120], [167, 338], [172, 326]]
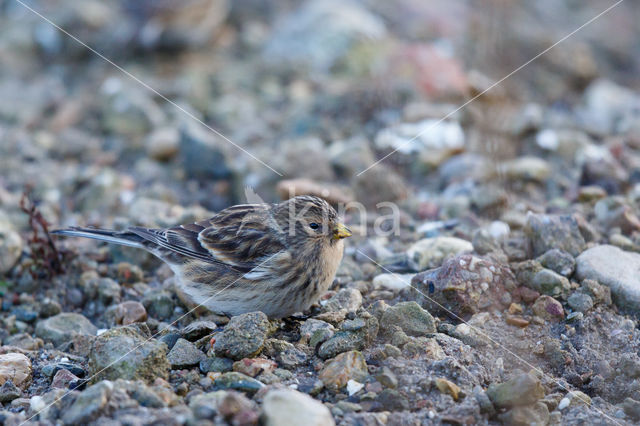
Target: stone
[[548, 308], [558, 261], [387, 378], [184, 354], [614, 212], [532, 275], [380, 184], [287, 407], [9, 392], [631, 408], [198, 329], [548, 232], [163, 144], [89, 404], [243, 337], [17, 368], [347, 366], [534, 415], [348, 299], [448, 387], [523, 389], [392, 400], [159, 304], [254, 366], [237, 381], [614, 268], [10, 247], [599, 293], [311, 326], [124, 353], [126, 313], [580, 302], [393, 282], [63, 327], [526, 169], [216, 364], [465, 285], [64, 379], [431, 252], [232, 406], [410, 317]]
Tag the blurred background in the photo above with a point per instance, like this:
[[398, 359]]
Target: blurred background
[[317, 90]]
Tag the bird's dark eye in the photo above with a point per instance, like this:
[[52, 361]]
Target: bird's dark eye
[[314, 225]]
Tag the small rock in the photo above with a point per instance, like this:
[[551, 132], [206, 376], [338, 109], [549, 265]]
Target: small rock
[[232, 406], [124, 353], [393, 282], [599, 293], [254, 366], [346, 366], [10, 247], [159, 304], [526, 169], [580, 302], [347, 299], [613, 212], [392, 400], [548, 308], [614, 268], [311, 326], [534, 415], [9, 392], [184, 354], [215, 364], [243, 337], [128, 313], [163, 144], [198, 329], [387, 378], [237, 381], [631, 408], [524, 389], [447, 387], [559, 261], [89, 404], [15, 367], [284, 407], [545, 281], [548, 232], [64, 379], [410, 317], [431, 252], [63, 327], [465, 285]]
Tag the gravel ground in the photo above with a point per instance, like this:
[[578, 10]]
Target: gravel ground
[[509, 293]]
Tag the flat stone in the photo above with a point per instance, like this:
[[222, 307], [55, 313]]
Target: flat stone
[[410, 317], [614, 268], [548, 232], [63, 327], [88, 404], [524, 389], [243, 337]]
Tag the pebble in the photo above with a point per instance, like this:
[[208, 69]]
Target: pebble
[[558, 261], [124, 353], [159, 304], [17, 368], [184, 354], [541, 280], [287, 407], [548, 232], [63, 327], [614, 268], [392, 400], [548, 308], [243, 337], [526, 169], [232, 406], [448, 387], [431, 252], [9, 392], [128, 312], [524, 389], [347, 299], [254, 366], [347, 366], [216, 364], [465, 285], [89, 404], [64, 379], [163, 144], [10, 247], [580, 302], [393, 282], [410, 317], [238, 381], [534, 415]]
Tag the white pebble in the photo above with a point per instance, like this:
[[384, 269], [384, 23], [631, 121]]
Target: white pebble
[[354, 387], [564, 403]]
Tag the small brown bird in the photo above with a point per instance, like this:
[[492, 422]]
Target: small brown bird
[[274, 258]]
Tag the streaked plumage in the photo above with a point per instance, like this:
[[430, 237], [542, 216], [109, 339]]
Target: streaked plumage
[[251, 257]]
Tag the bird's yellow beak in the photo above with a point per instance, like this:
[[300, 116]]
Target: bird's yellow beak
[[341, 231]]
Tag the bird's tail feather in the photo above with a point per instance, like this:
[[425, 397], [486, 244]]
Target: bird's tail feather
[[123, 238]]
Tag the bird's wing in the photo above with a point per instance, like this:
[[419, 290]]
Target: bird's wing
[[239, 237]]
